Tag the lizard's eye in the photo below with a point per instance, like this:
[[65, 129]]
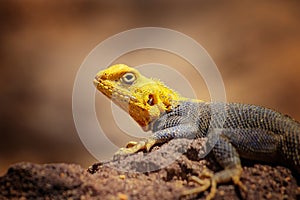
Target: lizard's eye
[[128, 78]]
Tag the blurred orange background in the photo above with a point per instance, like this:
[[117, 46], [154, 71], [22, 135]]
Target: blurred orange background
[[255, 45]]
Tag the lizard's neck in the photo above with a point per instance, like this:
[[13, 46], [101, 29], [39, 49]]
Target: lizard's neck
[[147, 102], [154, 100]]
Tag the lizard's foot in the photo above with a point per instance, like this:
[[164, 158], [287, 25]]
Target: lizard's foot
[[213, 179], [236, 180], [133, 147], [205, 181]]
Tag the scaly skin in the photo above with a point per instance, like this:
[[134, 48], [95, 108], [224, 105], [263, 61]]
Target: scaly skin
[[241, 130]]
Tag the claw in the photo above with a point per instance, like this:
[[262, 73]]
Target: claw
[[133, 147], [131, 144], [205, 184], [205, 181]]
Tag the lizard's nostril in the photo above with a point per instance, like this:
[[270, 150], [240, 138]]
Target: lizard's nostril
[[99, 77]]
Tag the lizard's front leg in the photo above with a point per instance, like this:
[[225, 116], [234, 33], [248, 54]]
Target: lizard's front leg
[[161, 136]]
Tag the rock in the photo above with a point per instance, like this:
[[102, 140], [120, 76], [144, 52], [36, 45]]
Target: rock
[[104, 181]]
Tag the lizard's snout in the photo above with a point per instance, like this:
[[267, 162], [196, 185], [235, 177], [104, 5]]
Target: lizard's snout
[[95, 81]]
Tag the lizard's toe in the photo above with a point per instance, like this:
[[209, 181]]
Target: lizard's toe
[[131, 144], [132, 147], [236, 181], [205, 181], [149, 143], [204, 184]]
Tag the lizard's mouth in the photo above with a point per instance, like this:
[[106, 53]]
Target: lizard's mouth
[[96, 82], [109, 90], [102, 87]]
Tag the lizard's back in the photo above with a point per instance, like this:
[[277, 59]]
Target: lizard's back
[[258, 133], [265, 134]]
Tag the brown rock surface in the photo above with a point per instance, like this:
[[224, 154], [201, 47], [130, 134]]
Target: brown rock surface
[[103, 181]]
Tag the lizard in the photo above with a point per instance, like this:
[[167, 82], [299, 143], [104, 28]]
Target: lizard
[[246, 131]]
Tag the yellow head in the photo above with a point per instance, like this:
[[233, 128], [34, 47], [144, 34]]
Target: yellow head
[[145, 99]]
